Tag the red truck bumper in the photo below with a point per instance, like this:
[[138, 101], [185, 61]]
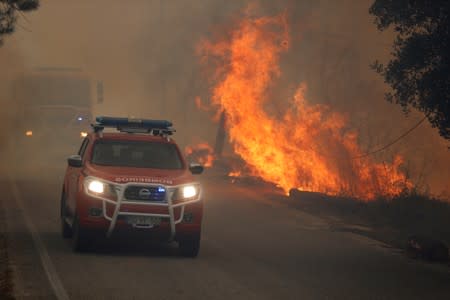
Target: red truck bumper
[[94, 215]]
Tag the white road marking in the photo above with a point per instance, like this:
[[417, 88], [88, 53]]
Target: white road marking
[[47, 264]]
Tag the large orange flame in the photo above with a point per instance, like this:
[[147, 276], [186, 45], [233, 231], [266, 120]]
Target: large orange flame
[[309, 147]]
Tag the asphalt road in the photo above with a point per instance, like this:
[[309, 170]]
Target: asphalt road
[[252, 248]]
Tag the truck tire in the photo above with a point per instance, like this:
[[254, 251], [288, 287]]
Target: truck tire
[[189, 247], [81, 242], [66, 230]]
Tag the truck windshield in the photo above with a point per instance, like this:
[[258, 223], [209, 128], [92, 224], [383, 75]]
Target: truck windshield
[[137, 154]]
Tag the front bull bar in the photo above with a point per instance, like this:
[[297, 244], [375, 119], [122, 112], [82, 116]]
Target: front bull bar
[[120, 189]]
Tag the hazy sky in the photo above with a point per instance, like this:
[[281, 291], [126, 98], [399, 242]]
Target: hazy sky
[[144, 52]]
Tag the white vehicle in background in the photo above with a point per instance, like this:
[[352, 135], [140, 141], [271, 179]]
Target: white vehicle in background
[[52, 112]]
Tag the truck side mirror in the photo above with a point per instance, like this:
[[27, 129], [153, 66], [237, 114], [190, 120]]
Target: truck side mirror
[[75, 161], [195, 168]]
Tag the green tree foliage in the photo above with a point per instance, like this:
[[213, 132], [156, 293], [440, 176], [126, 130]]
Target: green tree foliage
[[419, 71], [8, 14]]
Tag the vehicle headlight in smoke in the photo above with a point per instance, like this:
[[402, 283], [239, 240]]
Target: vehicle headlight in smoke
[[29, 133], [189, 191], [99, 188], [96, 186]]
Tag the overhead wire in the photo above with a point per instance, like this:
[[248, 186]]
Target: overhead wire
[[392, 142]]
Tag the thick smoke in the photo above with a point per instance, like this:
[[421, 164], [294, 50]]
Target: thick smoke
[[145, 54]]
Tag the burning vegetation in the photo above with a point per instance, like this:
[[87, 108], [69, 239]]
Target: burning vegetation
[[308, 147]]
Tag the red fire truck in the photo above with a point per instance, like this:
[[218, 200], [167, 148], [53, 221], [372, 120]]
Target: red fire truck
[[132, 179]]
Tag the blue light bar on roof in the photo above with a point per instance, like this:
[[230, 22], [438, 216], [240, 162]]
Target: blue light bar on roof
[[133, 123]]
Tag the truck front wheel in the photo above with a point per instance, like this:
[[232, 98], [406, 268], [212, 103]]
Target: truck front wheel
[[189, 247], [66, 231], [80, 241]]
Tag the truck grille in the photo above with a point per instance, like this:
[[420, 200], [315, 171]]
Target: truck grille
[[145, 193]]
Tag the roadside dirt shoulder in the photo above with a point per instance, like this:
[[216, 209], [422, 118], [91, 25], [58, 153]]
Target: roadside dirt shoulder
[[26, 275], [391, 221], [6, 285]]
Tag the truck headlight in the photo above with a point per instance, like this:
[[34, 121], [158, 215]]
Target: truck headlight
[[96, 186], [99, 188], [189, 191]]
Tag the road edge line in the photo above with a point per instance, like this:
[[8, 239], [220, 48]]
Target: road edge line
[[50, 271]]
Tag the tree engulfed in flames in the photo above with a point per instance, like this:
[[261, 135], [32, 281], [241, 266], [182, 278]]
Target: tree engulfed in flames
[[309, 148]]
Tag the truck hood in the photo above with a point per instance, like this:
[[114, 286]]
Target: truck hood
[[139, 175]]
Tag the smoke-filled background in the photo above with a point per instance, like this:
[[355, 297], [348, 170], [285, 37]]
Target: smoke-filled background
[[145, 52]]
